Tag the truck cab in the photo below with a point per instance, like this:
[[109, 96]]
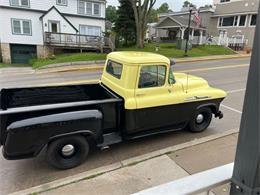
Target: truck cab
[[154, 96]]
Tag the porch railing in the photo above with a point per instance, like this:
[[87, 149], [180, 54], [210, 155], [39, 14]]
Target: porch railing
[[76, 40]]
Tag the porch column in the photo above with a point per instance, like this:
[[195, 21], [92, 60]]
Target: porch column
[[192, 34], [201, 37], [220, 37], [182, 32]]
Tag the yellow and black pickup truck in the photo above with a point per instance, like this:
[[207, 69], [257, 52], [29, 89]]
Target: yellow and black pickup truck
[[138, 95]]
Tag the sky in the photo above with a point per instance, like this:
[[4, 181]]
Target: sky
[[175, 5]]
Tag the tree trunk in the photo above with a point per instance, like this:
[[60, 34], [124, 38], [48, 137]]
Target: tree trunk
[[141, 12]]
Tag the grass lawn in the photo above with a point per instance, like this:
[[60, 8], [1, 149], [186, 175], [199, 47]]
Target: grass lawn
[[166, 49], [68, 58], [169, 50]]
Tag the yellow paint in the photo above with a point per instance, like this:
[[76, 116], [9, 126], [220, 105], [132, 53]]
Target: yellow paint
[[134, 58], [184, 90]]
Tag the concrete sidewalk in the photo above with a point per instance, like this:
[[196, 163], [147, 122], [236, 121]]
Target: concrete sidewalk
[[98, 65], [158, 170]]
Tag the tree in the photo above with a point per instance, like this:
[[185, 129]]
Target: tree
[[164, 8], [188, 4], [142, 10], [111, 13], [125, 22], [153, 17], [208, 6]]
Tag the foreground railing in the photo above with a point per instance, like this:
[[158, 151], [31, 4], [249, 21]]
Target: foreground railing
[[194, 184]]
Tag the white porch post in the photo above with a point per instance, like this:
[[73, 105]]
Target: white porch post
[[192, 34], [201, 37], [182, 32], [220, 37]]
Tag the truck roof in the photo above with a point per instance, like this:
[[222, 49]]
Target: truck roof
[[131, 57]]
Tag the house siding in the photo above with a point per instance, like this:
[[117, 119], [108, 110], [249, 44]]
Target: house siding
[[71, 8], [53, 15], [238, 6], [8, 37], [234, 8], [39, 24]]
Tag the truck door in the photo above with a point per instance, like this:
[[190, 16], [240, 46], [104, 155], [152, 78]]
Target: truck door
[[156, 99]]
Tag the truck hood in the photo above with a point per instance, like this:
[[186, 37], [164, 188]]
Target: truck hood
[[190, 82]]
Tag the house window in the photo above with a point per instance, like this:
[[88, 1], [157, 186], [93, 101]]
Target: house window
[[90, 30], [253, 20], [228, 21], [62, 2], [89, 8], [242, 21], [96, 9], [20, 3], [21, 27], [232, 21]]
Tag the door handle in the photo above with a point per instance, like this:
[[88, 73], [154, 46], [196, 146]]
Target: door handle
[[140, 94]]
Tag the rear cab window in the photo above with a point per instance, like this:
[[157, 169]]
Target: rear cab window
[[114, 68], [152, 76]]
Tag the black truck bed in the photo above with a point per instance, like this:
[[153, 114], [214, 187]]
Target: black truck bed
[[35, 96]]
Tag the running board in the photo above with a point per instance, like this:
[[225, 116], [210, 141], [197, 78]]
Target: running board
[[109, 139]]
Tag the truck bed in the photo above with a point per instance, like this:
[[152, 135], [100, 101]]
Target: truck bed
[[36, 96]]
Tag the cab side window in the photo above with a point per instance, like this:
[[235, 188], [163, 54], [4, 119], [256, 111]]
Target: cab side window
[[152, 76], [115, 69]]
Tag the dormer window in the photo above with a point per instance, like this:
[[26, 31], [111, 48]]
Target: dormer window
[[62, 2], [20, 3]]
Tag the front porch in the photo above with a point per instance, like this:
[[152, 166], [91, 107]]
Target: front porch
[[78, 41], [176, 28]]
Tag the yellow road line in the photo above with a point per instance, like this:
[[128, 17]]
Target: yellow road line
[[190, 70], [214, 68]]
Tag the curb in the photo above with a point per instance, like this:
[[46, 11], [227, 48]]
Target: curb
[[98, 65], [105, 169]]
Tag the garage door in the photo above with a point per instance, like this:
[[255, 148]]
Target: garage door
[[21, 54]]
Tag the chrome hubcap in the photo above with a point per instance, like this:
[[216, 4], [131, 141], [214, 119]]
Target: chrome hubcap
[[200, 118], [68, 150]]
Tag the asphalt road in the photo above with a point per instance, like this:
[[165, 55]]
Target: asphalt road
[[230, 75]]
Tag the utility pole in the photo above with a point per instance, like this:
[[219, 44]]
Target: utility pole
[[188, 37], [246, 175]]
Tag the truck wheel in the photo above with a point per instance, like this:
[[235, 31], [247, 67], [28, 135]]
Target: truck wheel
[[201, 120], [67, 152]]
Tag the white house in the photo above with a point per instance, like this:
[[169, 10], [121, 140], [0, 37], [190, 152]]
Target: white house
[[30, 28]]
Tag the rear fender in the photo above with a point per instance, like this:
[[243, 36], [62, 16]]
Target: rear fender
[[28, 137]]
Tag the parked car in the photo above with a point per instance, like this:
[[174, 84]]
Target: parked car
[[138, 95]]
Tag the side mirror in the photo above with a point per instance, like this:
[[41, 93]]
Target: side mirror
[[172, 62]]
